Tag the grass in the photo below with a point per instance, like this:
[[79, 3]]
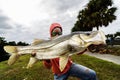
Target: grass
[[105, 70]]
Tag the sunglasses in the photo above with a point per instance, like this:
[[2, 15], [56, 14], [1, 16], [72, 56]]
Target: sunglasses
[[56, 33]]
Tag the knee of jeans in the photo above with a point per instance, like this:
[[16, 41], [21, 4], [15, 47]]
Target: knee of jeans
[[93, 73]]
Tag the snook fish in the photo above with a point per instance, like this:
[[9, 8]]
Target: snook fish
[[62, 47]]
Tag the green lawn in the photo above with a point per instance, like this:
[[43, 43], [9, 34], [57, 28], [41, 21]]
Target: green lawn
[[105, 70]]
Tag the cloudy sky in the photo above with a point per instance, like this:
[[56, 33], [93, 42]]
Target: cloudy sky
[[25, 20]]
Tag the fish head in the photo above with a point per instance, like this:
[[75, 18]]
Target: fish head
[[79, 42], [95, 37]]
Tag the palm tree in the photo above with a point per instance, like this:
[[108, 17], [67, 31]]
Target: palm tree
[[98, 13]]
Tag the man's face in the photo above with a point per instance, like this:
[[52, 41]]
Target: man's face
[[56, 32]]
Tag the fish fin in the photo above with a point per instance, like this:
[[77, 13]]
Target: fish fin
[[37, 41], [63, 62], [13, 58], [32, 61], [14, 55]]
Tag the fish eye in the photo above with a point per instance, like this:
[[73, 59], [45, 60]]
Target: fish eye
[[87, 34]]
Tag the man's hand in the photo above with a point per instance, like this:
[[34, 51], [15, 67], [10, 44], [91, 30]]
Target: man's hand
[[48, 61]]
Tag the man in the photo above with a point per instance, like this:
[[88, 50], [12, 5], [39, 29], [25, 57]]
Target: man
[[71, 69]]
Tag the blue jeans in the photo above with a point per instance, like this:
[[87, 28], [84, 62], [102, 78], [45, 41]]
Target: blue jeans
[[79, 71]]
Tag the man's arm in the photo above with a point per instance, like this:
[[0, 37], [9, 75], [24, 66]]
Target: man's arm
[[47, 64]]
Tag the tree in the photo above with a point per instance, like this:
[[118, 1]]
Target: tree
[[98, 13], [2, 41], [117, 34], [13, 43], [3, 54], [22, 44]]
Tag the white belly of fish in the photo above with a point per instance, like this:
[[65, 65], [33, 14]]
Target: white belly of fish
[[53, 52], [46, 53]]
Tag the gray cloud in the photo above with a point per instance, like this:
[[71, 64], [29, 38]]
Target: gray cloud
[[11, 30], [4, 25], [3, 18], [60, 6], [4, 22], [62, 11]]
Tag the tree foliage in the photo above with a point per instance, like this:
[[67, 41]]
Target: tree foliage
[[22, 43], [117, 34], [97, 13], [113, 38], [113, 35], [2, 41]]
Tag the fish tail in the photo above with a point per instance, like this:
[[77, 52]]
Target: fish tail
[[11, 49], [14, 54]]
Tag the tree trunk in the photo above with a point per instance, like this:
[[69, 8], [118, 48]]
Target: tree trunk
[[97, 28]]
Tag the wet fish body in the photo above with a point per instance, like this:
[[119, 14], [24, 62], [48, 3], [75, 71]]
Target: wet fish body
[[62, 46]]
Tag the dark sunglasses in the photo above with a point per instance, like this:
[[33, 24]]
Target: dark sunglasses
[[56, 33]]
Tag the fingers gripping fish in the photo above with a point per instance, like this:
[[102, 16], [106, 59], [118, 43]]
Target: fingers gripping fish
[[62, 47]]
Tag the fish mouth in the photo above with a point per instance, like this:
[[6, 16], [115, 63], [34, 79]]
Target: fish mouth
[[96, 47], [63, 54]]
